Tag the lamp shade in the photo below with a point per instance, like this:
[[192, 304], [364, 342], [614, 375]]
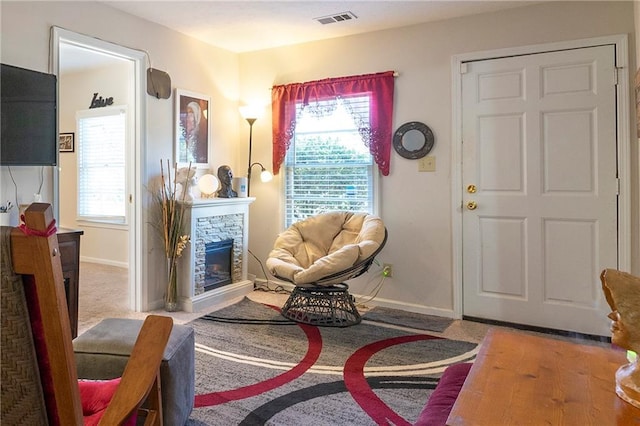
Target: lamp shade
[[251, 111], [265, 175]]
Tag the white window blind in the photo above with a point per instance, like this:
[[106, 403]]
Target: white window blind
[[101, 164], [327, 166]]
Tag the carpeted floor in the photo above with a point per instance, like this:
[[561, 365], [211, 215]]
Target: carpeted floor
[[253, 367]]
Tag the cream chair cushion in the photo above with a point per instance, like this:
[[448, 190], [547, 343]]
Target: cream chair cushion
[[323, 245]]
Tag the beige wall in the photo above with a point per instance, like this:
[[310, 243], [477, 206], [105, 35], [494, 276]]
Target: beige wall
[[192, 65], [416, 207]]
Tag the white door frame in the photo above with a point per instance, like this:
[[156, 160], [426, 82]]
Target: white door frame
[[623, 150], [138, 297]]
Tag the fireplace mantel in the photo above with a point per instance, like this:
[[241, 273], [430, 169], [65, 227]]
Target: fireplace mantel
[[206, 220]]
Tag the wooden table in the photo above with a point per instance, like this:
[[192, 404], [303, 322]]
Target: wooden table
[[523, 379]]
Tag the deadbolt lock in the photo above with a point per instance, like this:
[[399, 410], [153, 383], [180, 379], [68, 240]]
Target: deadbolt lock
[[471, 189]]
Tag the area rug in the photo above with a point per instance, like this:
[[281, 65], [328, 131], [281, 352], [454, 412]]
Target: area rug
[[253, 367], [407, 319]]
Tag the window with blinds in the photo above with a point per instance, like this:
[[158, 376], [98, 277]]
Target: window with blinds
[[101, 164], [327, 166]]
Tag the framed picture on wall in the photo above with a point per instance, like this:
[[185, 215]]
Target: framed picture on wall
[[192, 113], [66, 142]]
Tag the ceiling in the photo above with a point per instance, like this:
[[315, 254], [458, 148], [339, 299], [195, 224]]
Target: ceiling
[[244, 26]]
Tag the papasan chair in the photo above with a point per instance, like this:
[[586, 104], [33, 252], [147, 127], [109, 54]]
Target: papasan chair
[[317, 255]]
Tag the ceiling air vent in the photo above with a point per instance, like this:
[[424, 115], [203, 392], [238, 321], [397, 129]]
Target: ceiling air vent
[[338, 17]]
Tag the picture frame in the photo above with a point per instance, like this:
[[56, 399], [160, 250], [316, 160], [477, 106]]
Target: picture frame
[[66, 142], [192, 129]]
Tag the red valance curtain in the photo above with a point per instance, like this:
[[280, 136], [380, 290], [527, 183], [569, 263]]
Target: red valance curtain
[[376, 133]]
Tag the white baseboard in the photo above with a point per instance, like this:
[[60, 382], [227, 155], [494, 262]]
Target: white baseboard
[[104, 262], [155, 305], [261, 282], [409, 307], [386, 303], [207, 301]]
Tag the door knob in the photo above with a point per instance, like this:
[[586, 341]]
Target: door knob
[[472, 205], [471, 189]]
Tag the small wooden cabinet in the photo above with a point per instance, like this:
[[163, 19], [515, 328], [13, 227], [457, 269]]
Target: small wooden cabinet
[[69, 245]]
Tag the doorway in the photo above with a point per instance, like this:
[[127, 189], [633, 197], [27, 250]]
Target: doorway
[[538, 187], [97, 58]]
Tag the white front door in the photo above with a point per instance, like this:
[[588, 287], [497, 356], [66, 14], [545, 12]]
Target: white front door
[[539, 162]]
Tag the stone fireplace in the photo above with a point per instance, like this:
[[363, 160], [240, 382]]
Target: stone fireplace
[[213, 268]]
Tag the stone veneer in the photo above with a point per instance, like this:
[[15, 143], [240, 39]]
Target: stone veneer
[[213, 229]]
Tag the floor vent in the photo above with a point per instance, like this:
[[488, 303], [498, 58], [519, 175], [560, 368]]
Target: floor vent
[[339, 17]]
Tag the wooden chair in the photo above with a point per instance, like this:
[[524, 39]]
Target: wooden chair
[[37, 344]]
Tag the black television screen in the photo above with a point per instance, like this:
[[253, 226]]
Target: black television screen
[[29, 118]]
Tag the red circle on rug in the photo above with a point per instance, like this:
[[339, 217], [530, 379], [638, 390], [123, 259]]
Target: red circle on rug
[[357, 385], [314, 347]]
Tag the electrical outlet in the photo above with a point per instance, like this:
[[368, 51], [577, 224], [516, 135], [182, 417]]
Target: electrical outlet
[[387, 270], [427, 164]]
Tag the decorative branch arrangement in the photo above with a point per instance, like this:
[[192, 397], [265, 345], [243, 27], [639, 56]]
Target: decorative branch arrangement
[[172, 224]]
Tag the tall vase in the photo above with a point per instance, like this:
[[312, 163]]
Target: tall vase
[[171, 296]]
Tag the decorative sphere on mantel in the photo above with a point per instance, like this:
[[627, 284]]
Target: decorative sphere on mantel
[[208, 185]]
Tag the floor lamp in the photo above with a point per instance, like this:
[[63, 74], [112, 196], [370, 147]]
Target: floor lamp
[[250, 115]]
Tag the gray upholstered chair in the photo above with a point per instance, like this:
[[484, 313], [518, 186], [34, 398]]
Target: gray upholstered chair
[[318, 255], [102, 352]]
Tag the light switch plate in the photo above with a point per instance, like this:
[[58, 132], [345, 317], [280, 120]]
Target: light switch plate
[[427, 164]]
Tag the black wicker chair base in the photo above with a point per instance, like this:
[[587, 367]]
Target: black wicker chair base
[[329, 306]]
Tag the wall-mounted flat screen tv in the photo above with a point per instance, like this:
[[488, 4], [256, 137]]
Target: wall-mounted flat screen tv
[[28, 102]]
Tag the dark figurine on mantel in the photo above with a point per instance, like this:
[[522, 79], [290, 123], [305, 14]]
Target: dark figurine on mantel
[[225, 175]]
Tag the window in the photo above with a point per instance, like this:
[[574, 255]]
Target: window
[[329, 135], [327, 166], [101, 164]]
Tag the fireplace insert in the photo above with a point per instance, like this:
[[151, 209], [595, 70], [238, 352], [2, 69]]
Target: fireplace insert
[[218, 264]]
